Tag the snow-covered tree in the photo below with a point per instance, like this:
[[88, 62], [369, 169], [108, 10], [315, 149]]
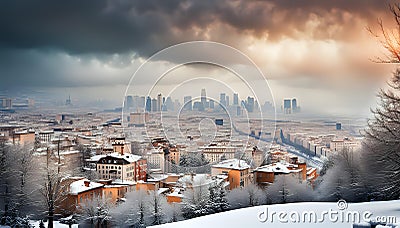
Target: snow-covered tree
[[217, 199], [96, 210], [196, 198], [343, 179], [132, 212], [250, 195], [157, 203], [287, 188], [381, 148], [16, 182]]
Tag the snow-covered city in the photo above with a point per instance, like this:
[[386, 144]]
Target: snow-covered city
[[200, 114]]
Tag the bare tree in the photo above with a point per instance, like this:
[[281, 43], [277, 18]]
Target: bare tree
[[381, 147], [53, 189], [390, 40]]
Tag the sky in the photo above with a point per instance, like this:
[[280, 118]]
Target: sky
[[317, 51]]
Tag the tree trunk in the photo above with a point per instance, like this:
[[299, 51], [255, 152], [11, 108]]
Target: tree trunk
[[50, 219]]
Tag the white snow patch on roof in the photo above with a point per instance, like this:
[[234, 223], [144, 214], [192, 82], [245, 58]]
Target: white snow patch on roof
[[79, 186]]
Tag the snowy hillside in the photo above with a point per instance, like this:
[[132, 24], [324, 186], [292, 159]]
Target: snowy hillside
[[250, 217]]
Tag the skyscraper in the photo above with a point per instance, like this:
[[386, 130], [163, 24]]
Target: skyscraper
[[154, 105], [67, 102], [141, 103], [222, 100], [148, 104], [287, 106], [169, 104], [294, 105], [235, 99], [250, 104], [227, 101], [203, 98], [129, 102], [187, 102], [211, 104], [159, 102]]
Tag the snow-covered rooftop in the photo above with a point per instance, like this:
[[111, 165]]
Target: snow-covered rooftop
[[279, 167], [176, 192], [232, 164], [79, 186], [128, 157]]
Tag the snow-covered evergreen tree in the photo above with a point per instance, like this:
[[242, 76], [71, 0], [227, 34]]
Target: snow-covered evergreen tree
[[343, 179], [381, 148], [96, 210]]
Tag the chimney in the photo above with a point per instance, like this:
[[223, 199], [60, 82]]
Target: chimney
[[122, 150], [87, 183]]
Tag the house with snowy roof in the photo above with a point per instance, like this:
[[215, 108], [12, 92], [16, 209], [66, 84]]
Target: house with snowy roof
[[265, 175], [78, 191], [117, 166], [237, 172]]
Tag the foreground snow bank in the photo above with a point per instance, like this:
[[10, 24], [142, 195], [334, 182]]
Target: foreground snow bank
[[310, 214], [56, 224]]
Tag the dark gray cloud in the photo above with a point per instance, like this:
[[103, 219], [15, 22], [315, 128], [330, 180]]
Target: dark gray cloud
[[116, 26]]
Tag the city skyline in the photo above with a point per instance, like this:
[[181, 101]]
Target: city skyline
[[140, 103]]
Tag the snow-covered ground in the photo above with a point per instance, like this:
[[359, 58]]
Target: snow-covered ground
[[341, 212], [56, 224]]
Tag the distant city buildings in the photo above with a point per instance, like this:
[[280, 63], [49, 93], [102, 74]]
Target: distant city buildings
[[148, 104], [290, 106], [163, 104], [68, 102], [235, 99], [187, 103]]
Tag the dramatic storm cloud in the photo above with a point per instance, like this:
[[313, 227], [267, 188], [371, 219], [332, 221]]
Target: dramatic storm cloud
[[301, 46]]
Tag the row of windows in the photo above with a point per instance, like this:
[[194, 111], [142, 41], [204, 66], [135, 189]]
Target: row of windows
[[86, 196], [106, 172], [111, 167]]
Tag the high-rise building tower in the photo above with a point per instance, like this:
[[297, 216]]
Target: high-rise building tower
[[128, 102], [250, 104], [287, 106], [154, 105], [140, 104], [68, 101], [294, 105], [187, 103], [148, 104], [222, 99], [159, 102], [227, 101], [169, 105], [203, 98], [211, 104], [235, 99]]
